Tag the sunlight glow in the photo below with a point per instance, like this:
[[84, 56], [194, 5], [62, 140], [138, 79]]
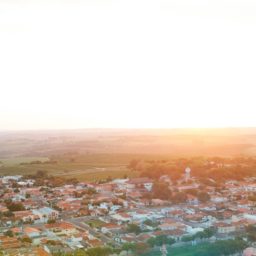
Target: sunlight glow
[[156, 63]]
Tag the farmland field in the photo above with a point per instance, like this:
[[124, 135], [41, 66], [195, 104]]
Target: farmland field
[[14, 161], [93, 154], [87, 168]]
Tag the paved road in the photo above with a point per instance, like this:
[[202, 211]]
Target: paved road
[[79, 223]]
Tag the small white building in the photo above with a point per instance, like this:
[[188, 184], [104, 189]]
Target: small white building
[[44, 214]]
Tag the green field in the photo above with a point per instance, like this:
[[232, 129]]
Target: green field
[[94, 176], [84, 168], [10, 162], [95, 223], [182, 251], [227, 247]]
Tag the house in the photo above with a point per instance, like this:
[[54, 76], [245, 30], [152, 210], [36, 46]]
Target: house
[[225, 228], [32, 232], [169, 224], [132, 194], [251, 187], [69, 205], [24, 183], [34, 251], [75, 242], [191, 199], [110, 228], [7, 179], [165, 179], [94, 243], [25, 216], [17, 231], [176, 213], [195, 218], [62, 228], [31, 191], [158, 202], [218, 199], [107, 187], [120, 183], [187, 187], [7, 242], [121, 217], [143, 237], [140, 215], [44, 214], [3, 209], [250, 251], [145, 183]]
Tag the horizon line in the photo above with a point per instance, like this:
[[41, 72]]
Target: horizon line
[[127, 128]]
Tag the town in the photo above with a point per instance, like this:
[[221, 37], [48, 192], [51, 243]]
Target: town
[[126, 216]]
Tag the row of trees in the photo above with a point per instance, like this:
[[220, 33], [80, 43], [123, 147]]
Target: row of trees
[[162, 191], [43, 178], [160, 240], [207, 233], [217, 168], [222, 247]]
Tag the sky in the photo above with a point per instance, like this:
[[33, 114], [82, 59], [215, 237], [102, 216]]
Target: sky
[[127, 64]]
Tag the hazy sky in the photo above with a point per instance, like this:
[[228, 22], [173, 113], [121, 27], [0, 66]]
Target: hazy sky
[[103, 63]]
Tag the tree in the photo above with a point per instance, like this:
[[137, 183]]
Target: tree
[[13, 207], [203, 197], [91, 191], [8, 233], [207, 233], [251, 233], [160, 240], [15, 184], [161, 191], [16, 190], [27, 240], [133, 228], [129, 247], [133, 164], [8, 214], [179, 197], [99, 251], [51, 221], [150, 223], [141, 248], [80, 252], [41, 174]]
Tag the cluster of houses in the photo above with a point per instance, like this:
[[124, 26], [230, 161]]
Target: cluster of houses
[[85, 215]]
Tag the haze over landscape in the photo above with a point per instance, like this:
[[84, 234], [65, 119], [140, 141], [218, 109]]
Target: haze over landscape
[[127, 64], [127, 128]]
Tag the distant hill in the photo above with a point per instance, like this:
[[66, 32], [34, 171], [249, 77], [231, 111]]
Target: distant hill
[[176, 142]]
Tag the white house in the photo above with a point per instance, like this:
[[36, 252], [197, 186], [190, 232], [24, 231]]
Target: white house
[[46, 214]]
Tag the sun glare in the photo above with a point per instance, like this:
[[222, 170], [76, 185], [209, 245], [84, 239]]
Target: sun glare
[[126, 64]]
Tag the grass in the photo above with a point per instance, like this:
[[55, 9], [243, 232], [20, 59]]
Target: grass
[[8, 162], [95, 223], [182, 251], [94, 176], [84, 168]]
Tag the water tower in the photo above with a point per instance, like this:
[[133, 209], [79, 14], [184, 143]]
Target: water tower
[[187, 174]]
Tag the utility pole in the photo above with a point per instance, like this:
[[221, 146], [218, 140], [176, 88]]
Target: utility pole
[[163, 250]]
